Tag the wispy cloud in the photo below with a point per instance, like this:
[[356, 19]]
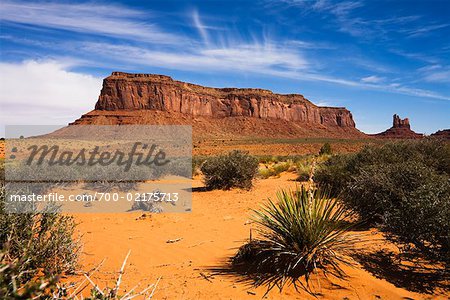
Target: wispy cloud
[[202, 29], [264, 58], [341, 11], [372, 79], [415, 56], [346, 17], [213, 51], [87, 18], [435, 73], [423, 30], [267, 59], [442, 76]]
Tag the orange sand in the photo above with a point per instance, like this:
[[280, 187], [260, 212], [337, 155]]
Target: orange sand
[[217, 225], [2, 149]]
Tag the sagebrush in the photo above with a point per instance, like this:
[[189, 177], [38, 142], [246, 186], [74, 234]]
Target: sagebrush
[[32, 244], [235, 169], [403, 187]]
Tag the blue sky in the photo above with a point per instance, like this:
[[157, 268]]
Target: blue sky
[[376, 58]]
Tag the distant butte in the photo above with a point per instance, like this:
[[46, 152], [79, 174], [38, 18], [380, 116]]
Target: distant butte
[[400, 129], [442, 134], [158, 99]]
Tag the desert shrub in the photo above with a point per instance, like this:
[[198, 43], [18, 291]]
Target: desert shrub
[[235, 169], [409, 200], [112, 177], [302, 232], [325, 149], [276, 169], [13, 286], [48, 287], [2, 170], [303, 175], [335, 173], [270, 159], [303, 165], [44, 239], [286, 166], [197, 162], [265, 172], [403, 187], [303, 168], [267, 159]]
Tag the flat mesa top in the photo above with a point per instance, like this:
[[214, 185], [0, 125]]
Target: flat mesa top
[[217, 92]]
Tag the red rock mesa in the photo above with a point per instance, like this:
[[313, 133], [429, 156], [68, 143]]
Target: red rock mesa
[[157, 99]]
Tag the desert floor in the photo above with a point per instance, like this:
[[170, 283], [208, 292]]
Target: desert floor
[[278, 146], [208, 236]]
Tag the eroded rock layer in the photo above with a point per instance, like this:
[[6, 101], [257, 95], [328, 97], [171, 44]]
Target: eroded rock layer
[[123, 91], [135, 98]]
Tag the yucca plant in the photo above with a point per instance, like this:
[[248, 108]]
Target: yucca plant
[[301, 233]]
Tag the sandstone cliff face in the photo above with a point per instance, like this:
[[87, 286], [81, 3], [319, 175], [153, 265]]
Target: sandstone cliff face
[[137, 92], [400, 129]]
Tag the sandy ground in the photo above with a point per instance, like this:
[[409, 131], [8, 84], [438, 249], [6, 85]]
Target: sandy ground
[[273, 147], [209, 235], [2, 149], [206, 238]]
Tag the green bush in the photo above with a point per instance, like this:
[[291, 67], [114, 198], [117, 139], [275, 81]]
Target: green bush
[[335, 173], [325, 149], [404, 187], [302, 232], [235, 169], [303, 169], [43, 243]]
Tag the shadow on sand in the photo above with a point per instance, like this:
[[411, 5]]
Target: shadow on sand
[[416, 277], [247, 275], [253, 276]]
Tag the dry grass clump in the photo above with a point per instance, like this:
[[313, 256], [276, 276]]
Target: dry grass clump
[[302, 232], [274, 170], [48, 286], [107, 293]]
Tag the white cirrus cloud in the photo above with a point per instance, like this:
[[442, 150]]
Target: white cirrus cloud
[[372, 79], [87, 18], [442, 76], [264, 58], [435, 73]]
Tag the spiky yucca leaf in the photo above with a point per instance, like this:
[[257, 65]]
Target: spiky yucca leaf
[[302, 232]]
